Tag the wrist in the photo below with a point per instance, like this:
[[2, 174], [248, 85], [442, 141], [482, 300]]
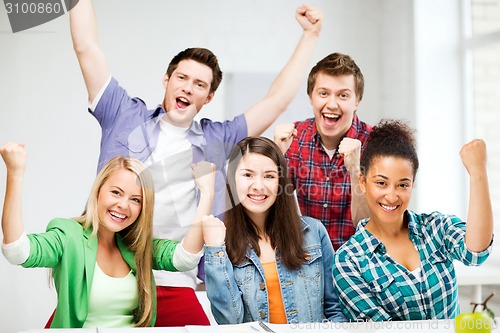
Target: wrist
[[312, 32], [353, 171], [206, 195], [15, 175]]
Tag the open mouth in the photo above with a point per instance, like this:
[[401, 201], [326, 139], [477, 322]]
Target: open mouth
[[330, 118], [182, 103]]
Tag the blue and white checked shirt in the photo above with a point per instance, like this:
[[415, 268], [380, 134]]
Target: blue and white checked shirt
[[372, 286]]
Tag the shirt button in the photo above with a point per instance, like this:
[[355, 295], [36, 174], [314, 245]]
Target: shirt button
[[325, 205], [262, 286], [262, 314], [219, 254]]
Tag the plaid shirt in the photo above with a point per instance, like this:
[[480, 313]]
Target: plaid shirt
[[372, 286], [323, 186]]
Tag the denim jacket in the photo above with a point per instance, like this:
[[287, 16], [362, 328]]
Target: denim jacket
[[238, 293]]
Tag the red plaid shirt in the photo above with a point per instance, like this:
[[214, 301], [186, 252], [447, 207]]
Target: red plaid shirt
[[323, 186]]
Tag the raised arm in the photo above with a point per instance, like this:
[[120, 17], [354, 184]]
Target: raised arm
[[204, 174], [85, 38], [14, 157], [285, 86], [351, 150], [479, 230]]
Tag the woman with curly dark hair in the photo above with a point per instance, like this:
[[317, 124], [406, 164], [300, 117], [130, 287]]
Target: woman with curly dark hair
[[399, 264]]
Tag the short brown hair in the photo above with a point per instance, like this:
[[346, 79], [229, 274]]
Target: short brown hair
[[337, 64], [203, 56]]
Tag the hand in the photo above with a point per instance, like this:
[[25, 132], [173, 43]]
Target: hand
[[309, 18], [204, 175], [214, 230], [283, 136], [351, 150], [473, 156], [14, 156]]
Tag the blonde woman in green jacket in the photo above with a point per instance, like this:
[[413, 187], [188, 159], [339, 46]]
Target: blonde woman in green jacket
[[101, 261]]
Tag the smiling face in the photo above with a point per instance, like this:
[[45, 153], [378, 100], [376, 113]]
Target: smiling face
[[187, 90], [257, 185], [119, 201], [334, 102], [387, 186]]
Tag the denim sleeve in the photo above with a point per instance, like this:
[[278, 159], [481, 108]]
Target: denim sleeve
[[332, 309], [224, 295], [358, 303]]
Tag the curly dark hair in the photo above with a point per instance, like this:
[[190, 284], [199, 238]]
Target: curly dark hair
[[390, 138]]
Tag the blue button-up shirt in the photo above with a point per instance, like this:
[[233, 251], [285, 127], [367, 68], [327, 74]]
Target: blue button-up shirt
[[130, 129], [372, 286]]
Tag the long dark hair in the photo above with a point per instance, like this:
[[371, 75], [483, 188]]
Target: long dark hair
[[283, 224]]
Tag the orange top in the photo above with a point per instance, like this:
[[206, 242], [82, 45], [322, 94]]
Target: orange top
[[276, 309]]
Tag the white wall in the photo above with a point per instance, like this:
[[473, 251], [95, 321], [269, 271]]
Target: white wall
[[43, 98], [440, 106]]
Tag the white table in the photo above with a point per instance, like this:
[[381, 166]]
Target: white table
[[434, 326]]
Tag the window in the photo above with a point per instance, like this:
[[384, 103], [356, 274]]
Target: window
[[482, 48]]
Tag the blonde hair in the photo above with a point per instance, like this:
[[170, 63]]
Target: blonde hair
[[138, 236]]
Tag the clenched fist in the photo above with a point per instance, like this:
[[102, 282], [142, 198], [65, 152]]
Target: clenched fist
[[473, 156], [309, 18], [351, 150], [214, 230], [283, 136], [14, 156]]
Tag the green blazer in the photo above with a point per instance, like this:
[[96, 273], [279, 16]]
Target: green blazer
[[71, 252]]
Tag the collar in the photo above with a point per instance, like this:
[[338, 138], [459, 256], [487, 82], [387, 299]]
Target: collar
[[415, 223], [305, 224], [195, 133], [373, 244], [250, 253], [158, 111]]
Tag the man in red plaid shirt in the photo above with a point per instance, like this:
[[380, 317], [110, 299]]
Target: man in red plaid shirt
[[323, 152]]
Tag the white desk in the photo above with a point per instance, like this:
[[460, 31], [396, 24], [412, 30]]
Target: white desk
[[112, 330], [434, 326]]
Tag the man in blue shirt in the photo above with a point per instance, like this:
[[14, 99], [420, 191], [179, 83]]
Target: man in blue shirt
[[168, 140]]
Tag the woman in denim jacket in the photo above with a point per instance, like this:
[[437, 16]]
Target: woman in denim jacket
[[271, 265]]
